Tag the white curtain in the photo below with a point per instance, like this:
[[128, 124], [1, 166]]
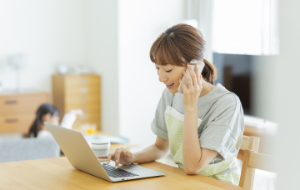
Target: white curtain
[[202, 11], [245, 27]]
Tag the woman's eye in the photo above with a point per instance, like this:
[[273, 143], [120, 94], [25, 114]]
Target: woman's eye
[[169, 71], [157, 68]]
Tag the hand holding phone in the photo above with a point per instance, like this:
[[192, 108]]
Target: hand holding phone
[[193, 63]]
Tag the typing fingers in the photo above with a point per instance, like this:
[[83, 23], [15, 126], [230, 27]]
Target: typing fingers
[[105, 156], [110, 157], [102, 157], [118, 153]]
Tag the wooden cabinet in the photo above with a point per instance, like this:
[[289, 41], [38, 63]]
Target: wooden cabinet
[[17, 110], [78, 92]]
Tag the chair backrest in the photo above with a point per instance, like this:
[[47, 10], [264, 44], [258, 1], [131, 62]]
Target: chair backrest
[[254, 160], [251, 143]]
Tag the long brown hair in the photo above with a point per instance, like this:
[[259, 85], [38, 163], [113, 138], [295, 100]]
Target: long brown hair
[[178, 46]]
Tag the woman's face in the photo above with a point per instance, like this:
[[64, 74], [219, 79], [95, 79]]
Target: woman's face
[[169, 75]]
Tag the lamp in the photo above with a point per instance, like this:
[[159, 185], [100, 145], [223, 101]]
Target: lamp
[[17, 62]]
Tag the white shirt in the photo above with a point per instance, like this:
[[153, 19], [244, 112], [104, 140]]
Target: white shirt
[[67, 122]]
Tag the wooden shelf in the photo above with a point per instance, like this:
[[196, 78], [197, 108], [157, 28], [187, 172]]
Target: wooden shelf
[[79, 92]]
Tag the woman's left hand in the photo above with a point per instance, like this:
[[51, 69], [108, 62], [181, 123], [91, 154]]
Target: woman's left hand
[[191, 92]]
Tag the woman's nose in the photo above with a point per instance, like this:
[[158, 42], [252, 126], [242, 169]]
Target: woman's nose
[[162, 77]]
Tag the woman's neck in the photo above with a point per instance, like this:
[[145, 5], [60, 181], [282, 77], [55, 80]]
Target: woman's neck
[[207, 87]]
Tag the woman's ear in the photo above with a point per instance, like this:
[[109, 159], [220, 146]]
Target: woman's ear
[[47, 117]]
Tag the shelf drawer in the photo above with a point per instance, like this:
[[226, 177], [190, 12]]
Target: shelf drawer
[[21, 104], [82, 81], [86, 108], [16, 123], [78, 95], [82, 99], [81, 90], [88, 116]]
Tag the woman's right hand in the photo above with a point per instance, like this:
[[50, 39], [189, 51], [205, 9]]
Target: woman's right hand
[[120, 156]]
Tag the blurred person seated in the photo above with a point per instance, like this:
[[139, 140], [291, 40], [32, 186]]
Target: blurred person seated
[[49, 113]]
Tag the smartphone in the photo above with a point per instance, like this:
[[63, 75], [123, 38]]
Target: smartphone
[[200, 66]]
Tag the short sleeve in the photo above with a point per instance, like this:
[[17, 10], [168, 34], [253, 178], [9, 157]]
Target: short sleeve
[[222, 132], [158, 124]]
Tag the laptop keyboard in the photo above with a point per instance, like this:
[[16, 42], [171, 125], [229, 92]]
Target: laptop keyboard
[[117, 173]]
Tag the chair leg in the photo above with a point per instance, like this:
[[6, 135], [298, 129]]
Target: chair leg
[[254, 142], [243, 179]]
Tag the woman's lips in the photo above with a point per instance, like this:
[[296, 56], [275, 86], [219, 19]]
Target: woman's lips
[[170, 86]]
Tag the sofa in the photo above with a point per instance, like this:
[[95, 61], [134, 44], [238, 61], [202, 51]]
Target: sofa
[[28, 149]]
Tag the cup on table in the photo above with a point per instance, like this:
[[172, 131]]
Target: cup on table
[[100, 148]]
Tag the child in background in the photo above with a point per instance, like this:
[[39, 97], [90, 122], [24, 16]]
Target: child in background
[[49, 113]]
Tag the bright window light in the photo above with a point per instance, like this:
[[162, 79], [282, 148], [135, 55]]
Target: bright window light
[[245, 27]]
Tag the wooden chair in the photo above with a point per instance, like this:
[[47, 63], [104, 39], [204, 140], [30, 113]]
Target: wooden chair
[[251, 143], [253, 160]]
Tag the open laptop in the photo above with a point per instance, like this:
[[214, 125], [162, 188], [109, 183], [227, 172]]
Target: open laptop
[[81, 156]]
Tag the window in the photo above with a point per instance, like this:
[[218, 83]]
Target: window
[[245, 27]]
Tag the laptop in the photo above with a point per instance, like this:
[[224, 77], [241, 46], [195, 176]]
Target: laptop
[[81, 156]]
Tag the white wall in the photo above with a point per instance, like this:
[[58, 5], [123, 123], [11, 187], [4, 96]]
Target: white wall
[[140, 24], [48, 31], [279, 92], [113, 37], [285, 88], [102, 39]]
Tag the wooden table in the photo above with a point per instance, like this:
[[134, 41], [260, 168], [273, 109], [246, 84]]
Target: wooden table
[[57, 173]]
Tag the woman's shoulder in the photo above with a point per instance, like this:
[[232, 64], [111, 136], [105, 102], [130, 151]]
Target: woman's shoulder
[[229, 99], [225, 105], [226, 98]]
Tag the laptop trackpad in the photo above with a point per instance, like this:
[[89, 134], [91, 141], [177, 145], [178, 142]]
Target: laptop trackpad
[[141, 171]]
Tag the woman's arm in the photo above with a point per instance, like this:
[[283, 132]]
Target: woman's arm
[[153, 152], [195, 158]]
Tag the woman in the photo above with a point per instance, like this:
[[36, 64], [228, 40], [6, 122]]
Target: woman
[[49, 113], [200, 127]]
